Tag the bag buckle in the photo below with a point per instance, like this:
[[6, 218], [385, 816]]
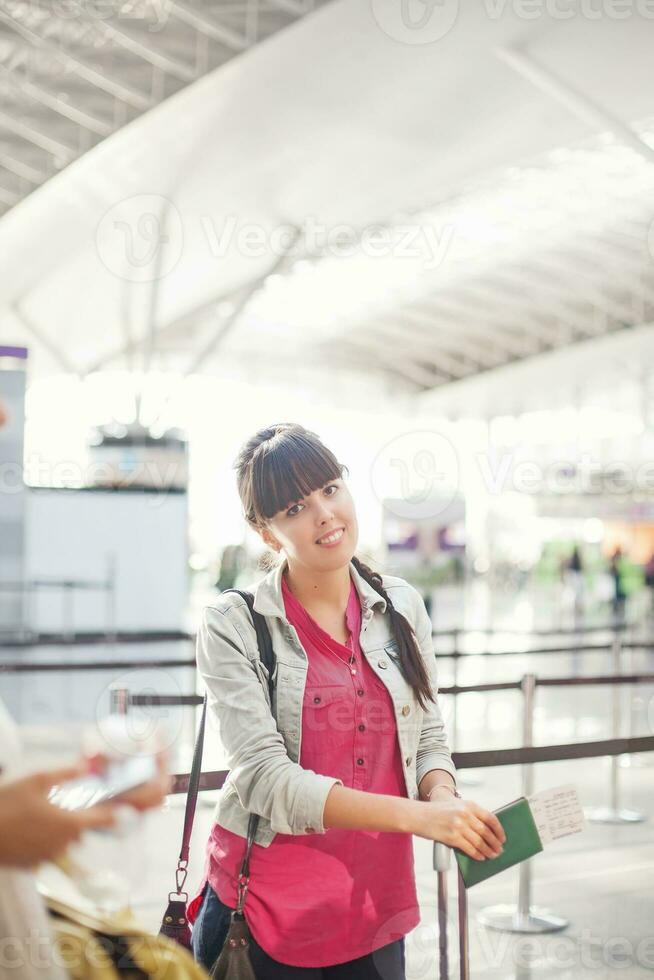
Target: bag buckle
[[180, 876], [243, 882]]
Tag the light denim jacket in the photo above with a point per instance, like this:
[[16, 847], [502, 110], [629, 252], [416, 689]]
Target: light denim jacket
[[265, 776]]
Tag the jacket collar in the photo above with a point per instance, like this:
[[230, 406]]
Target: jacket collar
[[269, 601]]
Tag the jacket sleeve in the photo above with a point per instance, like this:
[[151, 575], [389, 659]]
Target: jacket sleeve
[[433, 749], [265, 779]]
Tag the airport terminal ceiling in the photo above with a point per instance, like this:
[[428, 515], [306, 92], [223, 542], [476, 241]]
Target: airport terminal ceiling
[[510, 214]]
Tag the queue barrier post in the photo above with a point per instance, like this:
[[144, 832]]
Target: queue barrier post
[[442, 866], [464, 945], [524, 917], [614, 813], [636, 705], [118, 701]]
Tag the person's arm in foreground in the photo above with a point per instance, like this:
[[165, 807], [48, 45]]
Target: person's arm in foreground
[[33, 830]]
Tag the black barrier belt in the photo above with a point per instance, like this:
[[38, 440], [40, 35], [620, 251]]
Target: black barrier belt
[[497, 631], [550, 682], [538, 651], [91, 639], [600, 679], [157, 700], [552, 753], [17, 667], [484, 760]]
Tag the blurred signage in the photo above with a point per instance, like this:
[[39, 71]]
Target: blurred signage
[[13, 361]]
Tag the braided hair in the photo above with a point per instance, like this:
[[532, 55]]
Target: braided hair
[[285, 462]]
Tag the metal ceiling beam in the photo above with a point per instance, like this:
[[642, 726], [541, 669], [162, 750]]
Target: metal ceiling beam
[[481, 321], [294, 7], [23, 170], [407, 369], [8, 198], [426, 327], [158, 59], [212, 28], [567, 321], [46, 98], [579, 104], [85, 69], [530, 323], [471, 331], [582, 292], [37, 138], [456, 366], [616, 255]]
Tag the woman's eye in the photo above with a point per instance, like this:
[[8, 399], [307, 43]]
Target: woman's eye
[[332, 486], [289, 512]]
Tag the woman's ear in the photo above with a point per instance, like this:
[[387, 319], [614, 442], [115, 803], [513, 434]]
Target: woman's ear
[[269, 539]]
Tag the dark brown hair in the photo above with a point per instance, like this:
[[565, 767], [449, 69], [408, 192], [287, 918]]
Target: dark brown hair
[[284, 462]]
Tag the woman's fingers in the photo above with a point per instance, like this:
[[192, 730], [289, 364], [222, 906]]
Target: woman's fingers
[[96, 817], [490, 820], [56, 777], [490, 840], [473, 845], [480, 834]]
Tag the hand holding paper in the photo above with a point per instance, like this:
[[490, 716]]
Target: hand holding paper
[[529, 823]]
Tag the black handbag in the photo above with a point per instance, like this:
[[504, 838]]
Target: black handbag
[[233, 962]]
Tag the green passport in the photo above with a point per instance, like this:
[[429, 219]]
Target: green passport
[[522, 842]]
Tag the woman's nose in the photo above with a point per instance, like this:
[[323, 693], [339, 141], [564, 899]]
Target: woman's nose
[[325, 512]]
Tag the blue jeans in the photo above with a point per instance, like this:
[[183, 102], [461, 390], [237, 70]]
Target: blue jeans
[[211, 927]]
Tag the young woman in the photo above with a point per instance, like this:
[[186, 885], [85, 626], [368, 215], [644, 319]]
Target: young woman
[[351, 758]]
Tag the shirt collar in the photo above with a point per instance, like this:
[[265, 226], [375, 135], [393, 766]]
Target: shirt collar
[[269, 601]]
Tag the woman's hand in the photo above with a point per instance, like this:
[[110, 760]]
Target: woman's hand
[[460, 823], [32, 829], [149, 795]]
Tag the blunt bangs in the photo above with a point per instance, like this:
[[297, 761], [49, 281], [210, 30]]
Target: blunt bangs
[[288, 468]]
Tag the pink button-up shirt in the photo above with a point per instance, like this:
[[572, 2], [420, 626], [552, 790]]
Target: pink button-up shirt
[[323, 899]]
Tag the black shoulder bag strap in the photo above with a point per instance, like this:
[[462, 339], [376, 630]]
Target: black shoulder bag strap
[[175, 923]]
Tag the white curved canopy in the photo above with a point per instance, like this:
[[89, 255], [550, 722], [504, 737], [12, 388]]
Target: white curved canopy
[[508, 164]]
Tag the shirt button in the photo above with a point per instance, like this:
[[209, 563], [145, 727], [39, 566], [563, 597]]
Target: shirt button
[[362, 728], [359, 762], [406, 709], [360, 692], [408, 760], [383, 664], [309, 830], [316, 700]]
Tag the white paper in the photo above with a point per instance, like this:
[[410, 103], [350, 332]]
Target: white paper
[[557, 813]]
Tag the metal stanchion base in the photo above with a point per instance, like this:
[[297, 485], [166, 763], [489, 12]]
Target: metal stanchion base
[[606, 814], [508, 918]]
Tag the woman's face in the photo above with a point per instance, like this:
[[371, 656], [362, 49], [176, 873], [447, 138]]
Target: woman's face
[[299, 528]]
